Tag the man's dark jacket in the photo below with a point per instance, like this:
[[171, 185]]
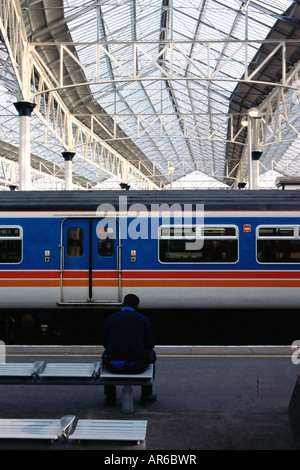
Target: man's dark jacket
[[127, 335]]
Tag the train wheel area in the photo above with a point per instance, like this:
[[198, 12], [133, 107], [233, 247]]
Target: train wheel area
[[170, 327]]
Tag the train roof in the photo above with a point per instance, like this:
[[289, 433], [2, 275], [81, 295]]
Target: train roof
[[238, 200]]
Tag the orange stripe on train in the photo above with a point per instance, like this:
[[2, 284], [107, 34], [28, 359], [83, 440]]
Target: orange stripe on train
[[210, 283], [29, 283], [210, 274]]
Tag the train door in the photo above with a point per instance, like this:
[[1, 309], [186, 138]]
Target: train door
[[90, 261]]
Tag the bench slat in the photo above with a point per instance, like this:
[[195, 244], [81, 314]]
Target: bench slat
[[124, 430], [70, 370], [35, 428], [21, 369], [30, 429], [86, 429], [147, 374]]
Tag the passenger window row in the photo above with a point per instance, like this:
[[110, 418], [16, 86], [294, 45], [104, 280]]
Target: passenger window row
[[179, 244]]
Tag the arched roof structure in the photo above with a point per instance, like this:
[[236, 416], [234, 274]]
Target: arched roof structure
[[135, 88]]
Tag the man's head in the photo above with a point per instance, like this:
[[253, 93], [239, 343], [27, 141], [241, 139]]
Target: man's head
[[131, 300]]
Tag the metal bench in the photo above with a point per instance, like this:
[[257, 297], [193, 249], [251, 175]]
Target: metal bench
[[51, 429], [42, 373], [23, 369], [128, 381], [68, 430], [107, 430]]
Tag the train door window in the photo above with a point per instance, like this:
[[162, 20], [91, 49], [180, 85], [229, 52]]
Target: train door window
[[106, 241], [75, 241], [219, 244], [278, 244], [10, 244]]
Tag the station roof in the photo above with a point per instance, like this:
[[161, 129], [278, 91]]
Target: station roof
[[170, 115]]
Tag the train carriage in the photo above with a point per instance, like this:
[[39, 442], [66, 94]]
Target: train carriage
[[174, 249]]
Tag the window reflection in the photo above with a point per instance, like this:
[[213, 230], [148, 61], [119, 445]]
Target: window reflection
[[106, 242], [75, 241], [220, 245]]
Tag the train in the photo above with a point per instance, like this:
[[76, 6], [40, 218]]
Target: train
[[175, 249]]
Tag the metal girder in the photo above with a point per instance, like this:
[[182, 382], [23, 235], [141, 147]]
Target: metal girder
[[147, 66], [33, 76], [41, 178], [176, 66], [278, 123]]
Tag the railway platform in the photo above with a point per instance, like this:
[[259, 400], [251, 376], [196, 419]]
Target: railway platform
[[209, 398]]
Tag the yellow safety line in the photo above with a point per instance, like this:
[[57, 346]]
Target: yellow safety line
[[53, 355], [227, 355]]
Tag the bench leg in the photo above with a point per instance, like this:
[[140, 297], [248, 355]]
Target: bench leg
[[127, 400]]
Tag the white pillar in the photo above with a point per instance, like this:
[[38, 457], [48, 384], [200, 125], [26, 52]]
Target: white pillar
[[24, 109], [68, 156], [250, 185]]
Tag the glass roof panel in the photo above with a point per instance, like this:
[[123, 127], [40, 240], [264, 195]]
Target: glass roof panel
[[173, 111], [188, 21]]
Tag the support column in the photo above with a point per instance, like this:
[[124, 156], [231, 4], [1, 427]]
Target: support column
[[250, 176], [68, 156], [24, 109], [255, 168]]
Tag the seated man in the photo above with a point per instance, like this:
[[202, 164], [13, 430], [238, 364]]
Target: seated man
[[129, 346]]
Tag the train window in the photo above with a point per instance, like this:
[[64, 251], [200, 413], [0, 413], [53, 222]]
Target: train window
[[217, 245], [278, 245], [75, 241], [106, 241], [177, 232], [276, 231], [10, 244], [219, 231]]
